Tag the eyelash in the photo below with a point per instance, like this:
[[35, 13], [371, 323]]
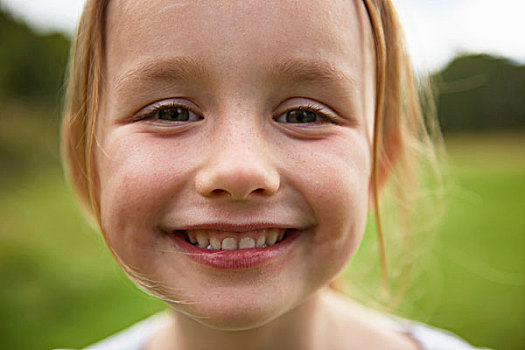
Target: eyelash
[[152, 111], [318, 111]]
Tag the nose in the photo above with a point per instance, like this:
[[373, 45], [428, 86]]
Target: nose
[[238, 168]]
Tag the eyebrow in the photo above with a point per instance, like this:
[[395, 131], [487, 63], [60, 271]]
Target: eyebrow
[[184, 69], [168, 70], [320, 72]]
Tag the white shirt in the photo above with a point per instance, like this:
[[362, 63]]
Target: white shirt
[[136, 336]]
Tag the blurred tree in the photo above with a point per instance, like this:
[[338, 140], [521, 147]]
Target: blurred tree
[[474, 92], [481, 92], [32, 70], [31, 66]]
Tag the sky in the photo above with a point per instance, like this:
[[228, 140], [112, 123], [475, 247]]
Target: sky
[[436, 30]]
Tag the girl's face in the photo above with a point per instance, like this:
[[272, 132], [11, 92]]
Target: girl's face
[[235, 123]]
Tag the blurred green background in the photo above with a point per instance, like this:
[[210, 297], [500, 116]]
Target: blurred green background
[[61, 288]]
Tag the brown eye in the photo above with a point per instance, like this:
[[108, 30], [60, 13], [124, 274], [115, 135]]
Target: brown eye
[[300, 116], [176, 114], [303, 115]]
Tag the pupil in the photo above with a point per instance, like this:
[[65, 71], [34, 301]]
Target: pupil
[[298, 116], [174, 114]]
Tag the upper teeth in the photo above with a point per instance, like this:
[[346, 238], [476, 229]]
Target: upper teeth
[[212, 239]]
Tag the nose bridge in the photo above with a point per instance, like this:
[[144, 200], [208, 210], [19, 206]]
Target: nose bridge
[[238, 145], [239, 163], [242, 135]]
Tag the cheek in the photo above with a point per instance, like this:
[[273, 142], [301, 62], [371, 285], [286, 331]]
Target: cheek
[[338, 180], [136, 183], [335, 181]]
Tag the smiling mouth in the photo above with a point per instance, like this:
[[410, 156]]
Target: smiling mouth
[[224, 240], [236, 248]]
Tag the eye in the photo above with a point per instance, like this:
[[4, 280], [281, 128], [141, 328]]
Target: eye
[[303, 115], [175, 114], [168, 111]]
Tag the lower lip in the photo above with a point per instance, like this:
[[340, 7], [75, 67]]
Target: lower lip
[[235, 259]]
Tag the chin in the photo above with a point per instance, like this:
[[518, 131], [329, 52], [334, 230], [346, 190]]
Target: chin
[[238, 309], [225, 317]]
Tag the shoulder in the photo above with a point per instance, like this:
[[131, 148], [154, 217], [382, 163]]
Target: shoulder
[[134, 337], [382, 327], [431, 338]]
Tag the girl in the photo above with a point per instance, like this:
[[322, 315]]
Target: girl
[[230, 152]]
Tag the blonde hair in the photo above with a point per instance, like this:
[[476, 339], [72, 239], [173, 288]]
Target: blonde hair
[[401, 134]]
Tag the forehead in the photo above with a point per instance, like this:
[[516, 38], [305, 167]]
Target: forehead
[[233, 31]]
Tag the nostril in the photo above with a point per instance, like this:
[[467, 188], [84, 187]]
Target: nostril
[[222, 192], [237, 182], [218, 192], [259, 191]]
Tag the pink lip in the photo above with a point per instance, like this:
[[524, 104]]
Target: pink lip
[[235, 259], [234, 227]]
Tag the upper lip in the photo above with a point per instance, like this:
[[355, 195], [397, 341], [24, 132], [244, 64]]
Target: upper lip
[[235, 227]]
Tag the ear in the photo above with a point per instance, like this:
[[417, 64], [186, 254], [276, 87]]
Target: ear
[[391, 151], [96, 185], [387, 157]]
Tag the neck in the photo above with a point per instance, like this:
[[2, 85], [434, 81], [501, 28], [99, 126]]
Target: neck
[[301, 328], [326, 320]]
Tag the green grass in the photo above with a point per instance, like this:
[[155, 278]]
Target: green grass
[[480, 246], [60, 285], [470, 276], [61, 288]]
